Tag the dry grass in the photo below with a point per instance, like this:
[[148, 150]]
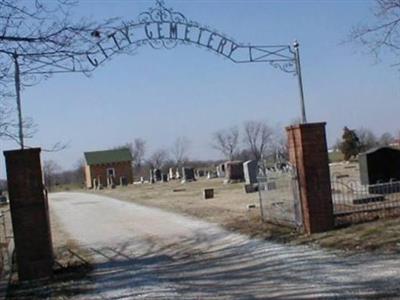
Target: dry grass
[[230, 200], [381, 236], [229, 209]]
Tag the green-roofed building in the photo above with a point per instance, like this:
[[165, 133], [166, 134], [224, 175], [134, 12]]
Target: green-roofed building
[[108, 167]]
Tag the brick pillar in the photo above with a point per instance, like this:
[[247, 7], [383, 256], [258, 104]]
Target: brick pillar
[[308, 152], [29, 213]]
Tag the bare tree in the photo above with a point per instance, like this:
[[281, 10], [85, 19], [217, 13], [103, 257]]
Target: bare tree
[[279, 146], [138, 151], [38, 40], [79, 171], [367, 139], [257, 136], [179, 150], [386, 139], [227, 142], [383, 34], [8, 125], [50, 169], [158, 158]]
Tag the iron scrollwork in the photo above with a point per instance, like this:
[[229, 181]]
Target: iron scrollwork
[[161, 27]]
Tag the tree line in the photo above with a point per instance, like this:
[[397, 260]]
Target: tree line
[[255, 140]]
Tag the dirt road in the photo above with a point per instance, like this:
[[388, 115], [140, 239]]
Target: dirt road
[[146, 253]]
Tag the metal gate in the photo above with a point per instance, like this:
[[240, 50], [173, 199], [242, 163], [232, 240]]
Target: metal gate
[[279, 196]]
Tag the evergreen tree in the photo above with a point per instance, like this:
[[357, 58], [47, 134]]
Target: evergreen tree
[[350, 145]]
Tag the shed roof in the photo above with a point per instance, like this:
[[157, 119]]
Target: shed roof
[[376, 149], [108, 156]]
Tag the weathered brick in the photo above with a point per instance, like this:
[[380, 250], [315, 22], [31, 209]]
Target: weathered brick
[[308, 152], [29, 213]]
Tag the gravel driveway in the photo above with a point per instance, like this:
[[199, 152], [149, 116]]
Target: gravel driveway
[[146, 253]]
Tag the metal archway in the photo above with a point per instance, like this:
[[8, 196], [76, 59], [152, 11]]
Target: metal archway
[[161, 27]]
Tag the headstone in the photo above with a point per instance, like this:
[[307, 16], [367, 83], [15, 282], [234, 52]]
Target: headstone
[[380, 165], [94, 183], [213, 174], [208, 193], [110, 182], [151, 176], [187, 174], [3, 198], [99, 185], [220, 171], [250, 188], [250, 206], [177, 174], [164, 177], [250, 169], [141, 179], [234, 171], [123, 181], [171, 174], [157, 174]]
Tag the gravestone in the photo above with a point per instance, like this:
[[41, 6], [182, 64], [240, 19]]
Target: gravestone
[[187, 174], [234, 171], [380, 165], [211, 174], [151, 176], [250, 170], [123, 181], [220, 171], [95, 184], [171, 174], [157, 175], [177, 174], [164, 177], [110, 182], [208, 193], [250, 188]]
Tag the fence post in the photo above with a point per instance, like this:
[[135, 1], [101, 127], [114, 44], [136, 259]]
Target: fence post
[[29, 214], [308, 152]]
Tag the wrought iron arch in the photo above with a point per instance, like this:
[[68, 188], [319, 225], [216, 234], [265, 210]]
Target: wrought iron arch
[[161, 27]]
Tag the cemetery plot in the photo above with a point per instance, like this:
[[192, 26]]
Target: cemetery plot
[[355, 202], [229, 201]]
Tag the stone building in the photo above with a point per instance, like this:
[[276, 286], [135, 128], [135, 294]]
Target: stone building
[[108, 167]]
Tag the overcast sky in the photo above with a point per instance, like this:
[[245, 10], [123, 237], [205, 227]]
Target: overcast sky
[[159, 95]]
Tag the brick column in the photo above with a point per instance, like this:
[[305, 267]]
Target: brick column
[[308, 152], [29, 213]]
